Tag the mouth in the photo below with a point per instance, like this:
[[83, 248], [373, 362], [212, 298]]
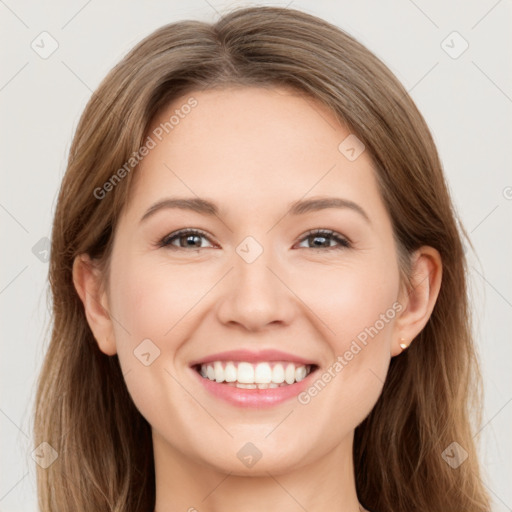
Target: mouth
[[248, 379], [262, 375]]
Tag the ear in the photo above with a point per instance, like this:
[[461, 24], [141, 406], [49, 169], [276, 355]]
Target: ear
[[419, 299], [88, 281]]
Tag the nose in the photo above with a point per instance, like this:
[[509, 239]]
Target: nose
[[255, 295]]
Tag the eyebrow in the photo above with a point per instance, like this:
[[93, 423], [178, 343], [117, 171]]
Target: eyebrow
[[300, 207]]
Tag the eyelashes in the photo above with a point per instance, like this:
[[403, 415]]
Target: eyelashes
[[191, 236], [182, 234], [327, 234]]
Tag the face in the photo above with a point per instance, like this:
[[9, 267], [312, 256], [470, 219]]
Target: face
[[291, 300]]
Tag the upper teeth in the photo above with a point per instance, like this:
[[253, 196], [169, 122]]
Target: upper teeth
[[271, 374]]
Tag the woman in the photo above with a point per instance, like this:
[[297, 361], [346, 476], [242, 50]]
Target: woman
[[259, 286]]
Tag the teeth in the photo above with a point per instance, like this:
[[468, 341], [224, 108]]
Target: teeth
[[230, 373], [300, 373], [278, 374], [263, 373], [255, 376], [246, 386], [218, 371], [289, 373], [245, 373]]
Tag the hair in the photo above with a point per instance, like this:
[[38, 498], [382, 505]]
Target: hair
[[433, 391]]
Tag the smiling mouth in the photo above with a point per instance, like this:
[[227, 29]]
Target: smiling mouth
[[262, 375]]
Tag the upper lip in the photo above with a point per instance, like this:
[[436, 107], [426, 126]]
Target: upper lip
[[250, 356]]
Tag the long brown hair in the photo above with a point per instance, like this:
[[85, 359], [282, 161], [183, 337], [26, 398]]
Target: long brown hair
[[433, 390]]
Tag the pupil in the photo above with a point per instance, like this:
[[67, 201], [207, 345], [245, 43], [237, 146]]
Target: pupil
[[191, 238], [317, 237]]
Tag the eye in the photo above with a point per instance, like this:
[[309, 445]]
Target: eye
[[190, 238], [184, 238], [322, 238]]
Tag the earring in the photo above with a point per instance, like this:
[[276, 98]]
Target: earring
[[403, 346]]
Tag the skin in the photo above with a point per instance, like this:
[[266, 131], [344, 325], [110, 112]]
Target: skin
[[253, 151]]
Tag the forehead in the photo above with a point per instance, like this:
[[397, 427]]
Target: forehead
[[250, 118], [250, 146]]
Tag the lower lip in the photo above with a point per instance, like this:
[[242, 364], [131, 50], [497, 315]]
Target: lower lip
[[257, 398]]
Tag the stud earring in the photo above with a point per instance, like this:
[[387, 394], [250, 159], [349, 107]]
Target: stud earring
[[403, 346]]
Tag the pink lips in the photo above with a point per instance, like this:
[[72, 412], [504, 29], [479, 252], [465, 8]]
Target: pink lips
[[253, 357], [255, 398]]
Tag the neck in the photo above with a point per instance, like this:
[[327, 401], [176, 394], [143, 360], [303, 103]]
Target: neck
[[183, 484]]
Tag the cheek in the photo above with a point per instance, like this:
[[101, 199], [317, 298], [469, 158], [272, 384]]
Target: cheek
[[356, 300], [150, 300], [150, 303], [357, 307]]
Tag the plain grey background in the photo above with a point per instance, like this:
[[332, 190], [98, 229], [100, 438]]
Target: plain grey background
[[455, 59]]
